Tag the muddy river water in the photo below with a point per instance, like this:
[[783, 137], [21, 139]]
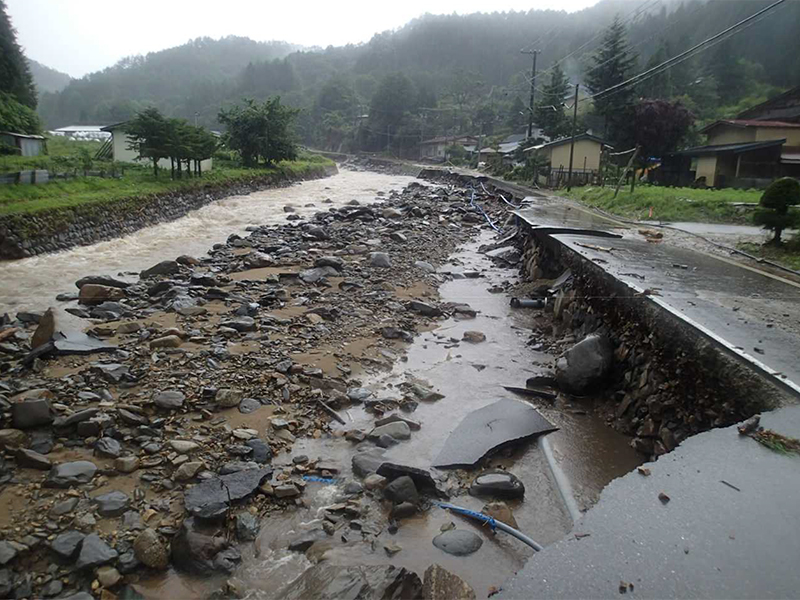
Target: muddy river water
[[469, 376]]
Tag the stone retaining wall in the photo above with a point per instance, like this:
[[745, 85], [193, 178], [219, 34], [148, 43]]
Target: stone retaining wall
[[25, 235]]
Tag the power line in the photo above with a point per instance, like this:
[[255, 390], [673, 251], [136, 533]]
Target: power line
[[704, 45]]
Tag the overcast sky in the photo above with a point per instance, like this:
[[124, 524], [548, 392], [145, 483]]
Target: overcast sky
[[81, 36]]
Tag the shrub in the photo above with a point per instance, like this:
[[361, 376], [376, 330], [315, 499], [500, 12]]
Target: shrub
[[775, 213]]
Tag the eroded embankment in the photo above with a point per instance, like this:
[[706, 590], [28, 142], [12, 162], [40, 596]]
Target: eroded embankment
[[670, 380], [23, 235]]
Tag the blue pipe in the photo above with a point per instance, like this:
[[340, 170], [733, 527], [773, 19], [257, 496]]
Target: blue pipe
[[493, 524]]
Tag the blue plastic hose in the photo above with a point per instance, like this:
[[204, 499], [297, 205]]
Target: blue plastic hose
[[493, 523]]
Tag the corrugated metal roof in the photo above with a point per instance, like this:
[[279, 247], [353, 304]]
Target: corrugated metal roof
[[734, 148], [23, 135], [743, 123]]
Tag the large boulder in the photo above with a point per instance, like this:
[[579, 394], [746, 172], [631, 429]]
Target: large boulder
[[93, 293], [195, 547], [213, 498], [440, 584], [70, 474], [332, 582], [32, 412], [584, 368], [165, 267]]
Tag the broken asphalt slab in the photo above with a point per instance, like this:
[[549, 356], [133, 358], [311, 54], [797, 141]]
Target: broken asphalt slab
[[726, 531], [489, 428]]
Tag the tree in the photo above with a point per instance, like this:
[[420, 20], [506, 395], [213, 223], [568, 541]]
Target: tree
[[260, 131], [394, 99], [729, 73], [517, 115], [17, 117], [611, 65], [15, 74], [550, 114], [657, 126], [659, 85], [149, 136], [774, 213]]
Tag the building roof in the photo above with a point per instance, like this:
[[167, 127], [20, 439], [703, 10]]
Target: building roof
[[113, 126], [745, 123], [448, 138], [517, 137], [785, 105], [734, 148], [74, 128], [567, 140], [23, 135]]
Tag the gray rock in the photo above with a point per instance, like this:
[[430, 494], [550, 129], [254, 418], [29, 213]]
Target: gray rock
[[249, 405], [358, 394], [128, 563], [330, 261], [227, 560], [306, 540], [76, 417], [194, 547], [425, 266], [127, 464], [64, 507], [228, 398], [70, 474], [7, 552], [401, 490], [150, 550], [333, 582], [101, 280], [422, 479], [397, 429], [425, 309], [386, 441], [33, 460], [499, 484], [52, 588], [242, 324], [107, 447], [585, 367], [247, 527], [440, 584], [112, 504], [380, 259], [187, 471], [170, 399], [366, 463], [31, 413], [211, 499], [67, 545], [458, 542], [286, 490], [94, 552], [261, 453], [165, 267]]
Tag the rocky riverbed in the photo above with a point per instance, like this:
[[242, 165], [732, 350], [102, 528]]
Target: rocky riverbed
[[230, 423], [157, 439]]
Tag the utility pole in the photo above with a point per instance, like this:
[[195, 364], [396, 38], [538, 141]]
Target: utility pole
[[533, 90], [572, 143]]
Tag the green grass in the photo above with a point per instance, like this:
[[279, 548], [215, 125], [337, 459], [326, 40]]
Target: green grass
[[58, 148], [670, 204], [138, 181], [787, 255]]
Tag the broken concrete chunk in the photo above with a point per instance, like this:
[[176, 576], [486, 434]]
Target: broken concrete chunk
[[585, 367], [487, 429]]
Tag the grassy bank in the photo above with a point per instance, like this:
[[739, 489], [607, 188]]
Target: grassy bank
[[787, 255], [670, 204], [138, 181]]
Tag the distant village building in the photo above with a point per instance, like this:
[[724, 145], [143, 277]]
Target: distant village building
[[82, 132], [119, 149], [28, 145], [436, 148], [759, 145], [586, 159]]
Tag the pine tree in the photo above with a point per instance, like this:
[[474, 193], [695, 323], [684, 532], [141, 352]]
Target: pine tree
[[612, 64], [550, 115], [15, 75], [660, 85]]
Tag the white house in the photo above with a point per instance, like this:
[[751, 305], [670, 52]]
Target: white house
[[119, 144]]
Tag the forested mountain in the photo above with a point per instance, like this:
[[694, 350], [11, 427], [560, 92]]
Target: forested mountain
[[180, 81], [17, 91], [450, 73], [47, 79]]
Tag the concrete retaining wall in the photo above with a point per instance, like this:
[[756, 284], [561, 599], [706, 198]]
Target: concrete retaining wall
[[50, 231]]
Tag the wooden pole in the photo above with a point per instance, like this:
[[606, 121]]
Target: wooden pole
[[625, 171], [572, 143]]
